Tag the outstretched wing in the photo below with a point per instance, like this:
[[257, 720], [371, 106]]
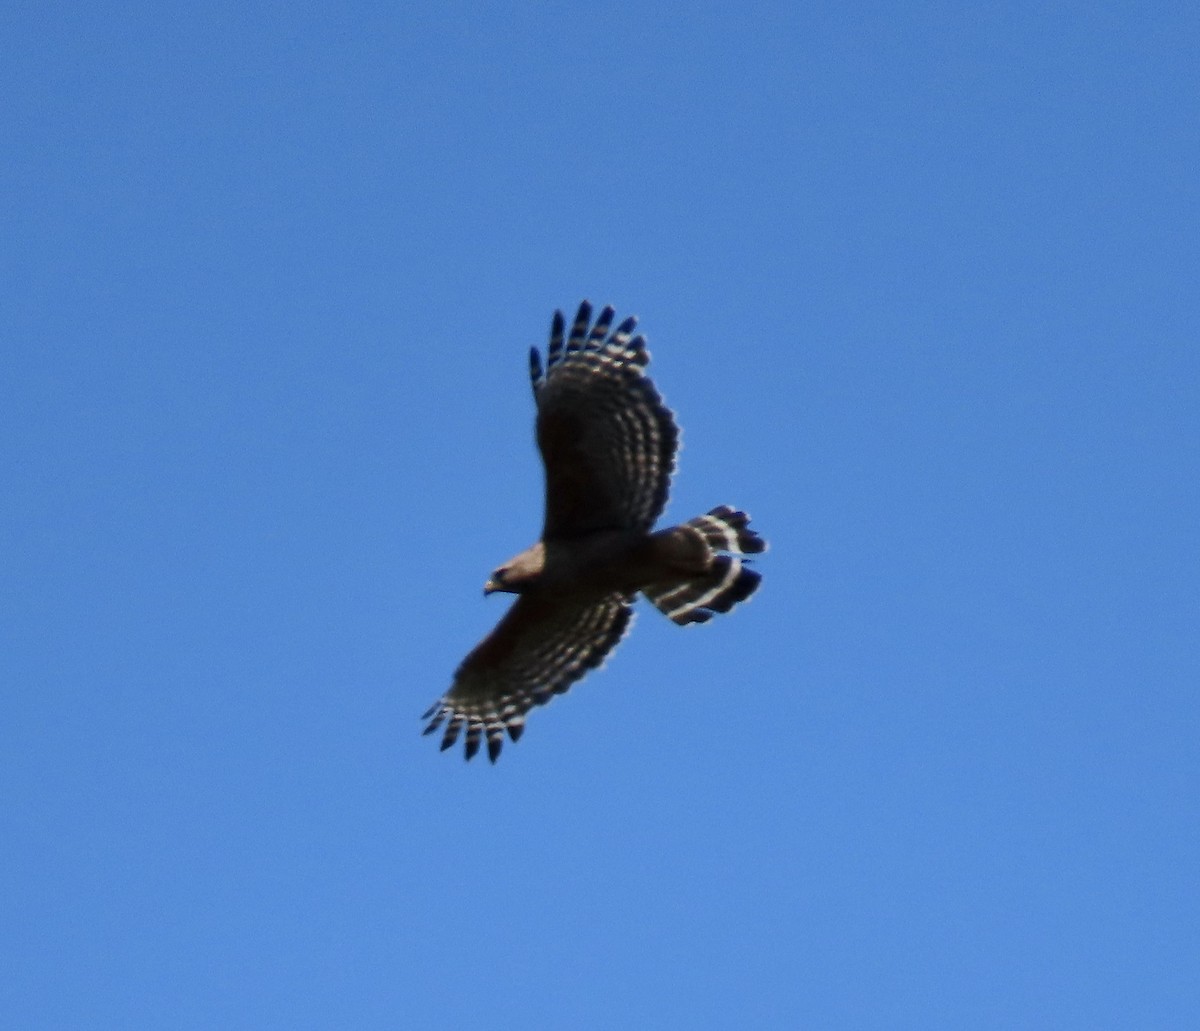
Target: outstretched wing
[[607, 440], [539, 649]]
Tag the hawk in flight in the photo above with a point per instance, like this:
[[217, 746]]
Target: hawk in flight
[[608, 444]]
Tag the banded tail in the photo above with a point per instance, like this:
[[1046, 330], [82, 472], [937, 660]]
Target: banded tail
[[713, 543]]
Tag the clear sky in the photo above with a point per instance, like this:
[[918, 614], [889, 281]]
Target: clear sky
[[922, 283]]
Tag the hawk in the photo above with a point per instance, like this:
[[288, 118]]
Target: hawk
[[608, 444]]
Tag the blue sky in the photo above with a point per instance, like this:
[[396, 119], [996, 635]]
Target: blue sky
[[920, 282]]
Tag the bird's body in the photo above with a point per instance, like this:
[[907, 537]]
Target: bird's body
[[608, 444], [602, 562]]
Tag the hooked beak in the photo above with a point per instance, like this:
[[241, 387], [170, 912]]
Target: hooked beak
[[490, 588]]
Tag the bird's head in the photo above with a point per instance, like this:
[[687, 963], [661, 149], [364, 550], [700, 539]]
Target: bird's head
[[498, 582], [518, 573]]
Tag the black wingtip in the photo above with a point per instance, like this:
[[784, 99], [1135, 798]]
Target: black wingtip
[[438, 714], [622, 333], [579, 328]]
